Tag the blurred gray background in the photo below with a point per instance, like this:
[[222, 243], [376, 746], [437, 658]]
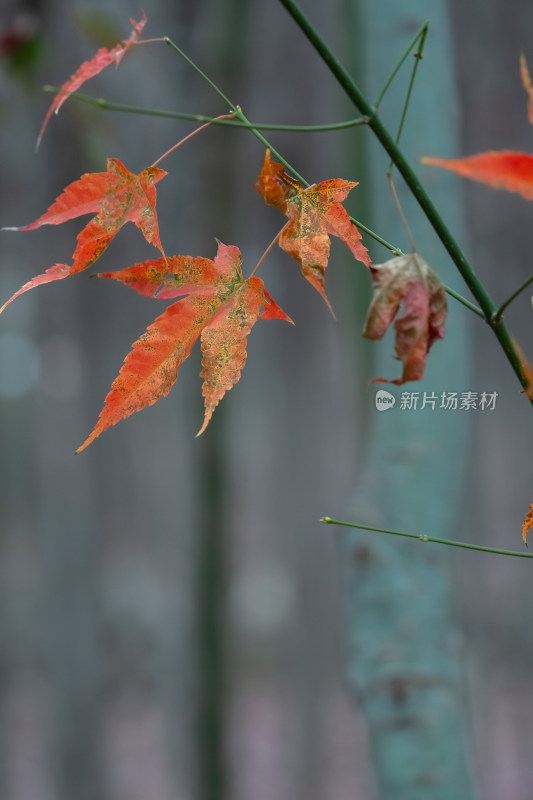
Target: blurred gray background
[[171, 608]]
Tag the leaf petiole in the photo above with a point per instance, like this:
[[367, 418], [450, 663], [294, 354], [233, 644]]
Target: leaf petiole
[[267, 251], [189, 136]]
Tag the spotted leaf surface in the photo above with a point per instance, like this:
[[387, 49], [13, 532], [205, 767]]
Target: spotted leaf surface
[[218, 306], [116, 196], [314, 215]]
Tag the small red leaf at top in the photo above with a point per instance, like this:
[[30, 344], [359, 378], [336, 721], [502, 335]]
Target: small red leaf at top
[[503, 169], [89, 69], [118, 196], [528, 523], [407, 279], [220, 307], [314, 215], [526, 81]]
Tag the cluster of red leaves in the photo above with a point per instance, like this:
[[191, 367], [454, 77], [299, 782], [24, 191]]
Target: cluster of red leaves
[[217, 304]]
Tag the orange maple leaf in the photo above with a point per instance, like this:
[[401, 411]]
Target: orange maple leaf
[[220, 307], [314, 215], [504, 169], [407, 279], [528, 523], [118, 196], [89, 69]]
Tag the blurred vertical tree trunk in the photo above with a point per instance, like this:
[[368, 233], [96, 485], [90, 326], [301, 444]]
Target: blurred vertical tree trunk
[[403, 658], [227, 53]]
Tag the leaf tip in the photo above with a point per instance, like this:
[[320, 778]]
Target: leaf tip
[[528, 524]]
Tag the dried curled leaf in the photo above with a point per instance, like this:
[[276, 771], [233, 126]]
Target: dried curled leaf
[[407, 279], [89, 69], [314, 215], [118, 196], [220, 307], [528, 523], [504, 169]]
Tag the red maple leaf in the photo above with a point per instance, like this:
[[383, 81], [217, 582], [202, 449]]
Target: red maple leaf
[[220, 307], [89, 69], [407, 279], [118, 196], [314, 215], [502, 169]]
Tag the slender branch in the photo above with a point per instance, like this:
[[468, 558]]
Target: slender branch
[[394, 250], [422, 31], [100, 102], [189, 136], [418, 58], [499, 313], [200, 72], [424, 538], [419, 193], [464, 301]]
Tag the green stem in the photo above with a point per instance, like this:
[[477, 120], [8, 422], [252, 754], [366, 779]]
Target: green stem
[[421, 32], [418, 58], [464, 301], [499, 313], [423, 538], [391, 148], [197, 69], [394, 250], [100, 102]]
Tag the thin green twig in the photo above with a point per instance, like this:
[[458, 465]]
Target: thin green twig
[[478, 290], [499, 313], [422, 31], [418, 58], [100, 102], [424, 538], [200, 72], [464, 301]]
